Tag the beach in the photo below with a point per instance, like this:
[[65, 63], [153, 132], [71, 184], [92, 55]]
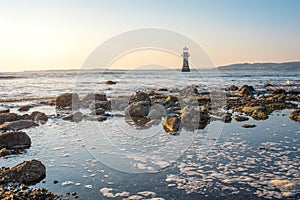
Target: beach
[[155, 135]]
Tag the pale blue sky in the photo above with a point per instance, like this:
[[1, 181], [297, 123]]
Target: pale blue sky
[[60, 34]]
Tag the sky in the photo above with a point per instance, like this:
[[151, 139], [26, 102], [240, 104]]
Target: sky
[[61, 34]]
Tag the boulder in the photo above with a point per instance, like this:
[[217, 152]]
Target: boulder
[[246, 90], [259, 114], [232, 88], [8, 117], [204, 114], [137, 109], [240, 118], [5, 111], [98, 111], [25, 108], [95, 97], [171, 125], [74, 117], [18, 125], [190, 118], [295, 115], [139, 96], [67, 101], [248, 109], [38, 116], [226, 117], [189, 90], [106, 105], [111, 82], [248, 125], [14, 140], [156, 111], [27, 172], [171, 101], [6, 152], [279, 91]]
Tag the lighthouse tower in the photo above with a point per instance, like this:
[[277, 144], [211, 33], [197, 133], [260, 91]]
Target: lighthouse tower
[[185, 55]]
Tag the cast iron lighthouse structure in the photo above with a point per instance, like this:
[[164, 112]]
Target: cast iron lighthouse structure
[[185, 55]]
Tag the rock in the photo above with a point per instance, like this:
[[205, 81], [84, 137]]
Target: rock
[[204, 114], [18, 125], [137, 109], [233, 88], [189, 90], [240, 118], [8, 117], [139, 96], [27, 172], [26, 117], [67, 101], [156, 111], [279, 91], [295, 115], [226, 117], [190, 118], [38, 116], [98, 111], [111, 82], [171, 101], [246, 90], [14, 140], [95, 97], [25, 108], [5, 152], [259, 115], [248, 125], [5, 111], [171, 125], [106, 105], [74, 117], [250, 109]]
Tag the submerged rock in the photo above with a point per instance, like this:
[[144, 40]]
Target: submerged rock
[[171, 125], [246, 90], [25, 108], [110, 82], [139, 96], [233, 88], [240, 118], [18, 125], [38, 116], [295, 115], [27, 172], [138, 109], [14, 140], [74, 117], [248, 125], [67, 101]]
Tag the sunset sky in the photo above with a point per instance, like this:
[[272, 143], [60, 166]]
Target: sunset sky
[[60, 34]]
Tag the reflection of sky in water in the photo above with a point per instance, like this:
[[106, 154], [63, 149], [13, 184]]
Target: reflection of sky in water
[[237, 165]]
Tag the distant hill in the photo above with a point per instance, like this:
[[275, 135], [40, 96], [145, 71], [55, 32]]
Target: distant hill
[[262, 66]]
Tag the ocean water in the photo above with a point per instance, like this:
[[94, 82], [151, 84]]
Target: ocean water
[[115, 159]]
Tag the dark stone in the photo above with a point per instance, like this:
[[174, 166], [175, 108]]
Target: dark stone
[[240, 118], [95, 97], [38, 116], [137, 109], [18, 125], [25, 108], [233, 88], [226, 117], [67, 101], [246, 90], [8, 117], [98, 111], [74, 117], [259, 115], [139, 96], [27, 172], [14, 140], [295, 115], [279, 91], [111, 82], [171, 125], [5, 111], [248, 125]]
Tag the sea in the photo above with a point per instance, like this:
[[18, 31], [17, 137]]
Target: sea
[[115, 159]]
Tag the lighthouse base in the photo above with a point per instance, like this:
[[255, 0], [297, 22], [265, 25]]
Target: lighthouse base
[[185, 69]]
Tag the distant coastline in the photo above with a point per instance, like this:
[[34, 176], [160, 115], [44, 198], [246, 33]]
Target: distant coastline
[[238, 66], [262, 66]]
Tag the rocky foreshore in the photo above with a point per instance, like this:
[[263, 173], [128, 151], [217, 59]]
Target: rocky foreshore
[[174, 109]]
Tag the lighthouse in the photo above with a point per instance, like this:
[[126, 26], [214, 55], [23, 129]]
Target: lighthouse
[[185, 55]]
